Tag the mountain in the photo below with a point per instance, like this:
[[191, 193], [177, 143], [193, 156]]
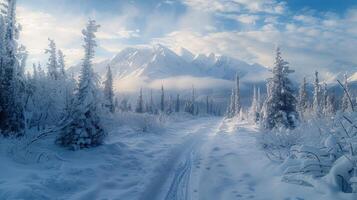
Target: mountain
[[159, 62], [154, 63], [336, 71], [152, 66]]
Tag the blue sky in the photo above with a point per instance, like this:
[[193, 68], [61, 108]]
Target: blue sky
[[310, 32]]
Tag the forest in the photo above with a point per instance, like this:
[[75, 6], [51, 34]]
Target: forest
[[72, 135]]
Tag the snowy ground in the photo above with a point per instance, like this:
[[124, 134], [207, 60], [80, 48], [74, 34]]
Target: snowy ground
[[205, 158]]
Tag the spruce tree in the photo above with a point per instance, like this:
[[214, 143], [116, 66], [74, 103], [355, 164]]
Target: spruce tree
[[231, 110], [140, 103], [207, 105], [316, 104], [237, 106], [303, 98], [346, 104], [170, 107], [281, 103], [82, 127], [61, 65], [190, 104], [151, 104], [324, 96], [254, 108], [109, 91], [12, 87], [177, 105], [52, 65], [162, 99], [330, 106]]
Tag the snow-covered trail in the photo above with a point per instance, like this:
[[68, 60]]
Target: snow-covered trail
[[221, 161]]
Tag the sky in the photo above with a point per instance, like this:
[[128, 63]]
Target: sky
[[311, 33]]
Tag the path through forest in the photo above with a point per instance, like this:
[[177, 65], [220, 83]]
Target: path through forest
[[221, 160]]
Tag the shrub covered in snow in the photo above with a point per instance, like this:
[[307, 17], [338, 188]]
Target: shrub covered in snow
[[319, 151]]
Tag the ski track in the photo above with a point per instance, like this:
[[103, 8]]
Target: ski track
[[172, 178], [221, 161]]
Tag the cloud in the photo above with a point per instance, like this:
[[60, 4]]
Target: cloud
[[245, 29], [133, 84], [251, 6], [38, 26]]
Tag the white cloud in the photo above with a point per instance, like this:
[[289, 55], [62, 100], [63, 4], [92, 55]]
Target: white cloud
[[37, 27], [252, 6], [244, 18], [133, 84], [306, 19]]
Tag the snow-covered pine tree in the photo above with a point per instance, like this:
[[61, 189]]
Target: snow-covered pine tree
[[211, 107], [237, 106], [162, 99], [231, 107], [346, 104], [177, 104], [140, 103], [170, 107], [151, 105], [207, 105], [124, 105], [82, 127], [12, 119], [316, 104], [2, 33], [329, 109], [190, 106], [61, 65], [303, 99], [52, 64], [109, 91], [281, 103], [324, 96], [254, 108]]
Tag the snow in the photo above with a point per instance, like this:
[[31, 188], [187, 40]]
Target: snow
[[159, 62], [178, 158]]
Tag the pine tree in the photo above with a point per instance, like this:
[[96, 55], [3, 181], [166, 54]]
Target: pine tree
[[190, 104], [52, 65], [346, 104], [82, 127], [12, 119], [207, 105], [2, 34], [231, 110], [124, 105], [237, 106], [211, 107], [151, 104], [303, 98], [330, 106], [324, 96], [170, 108], [61, 64], [254, 108], [140, 103], [317, 96], [281, 103], [162, 99], [109, 91], [177, 105]]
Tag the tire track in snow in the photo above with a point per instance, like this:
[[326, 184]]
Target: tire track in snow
[[179, 189], [173, 180]]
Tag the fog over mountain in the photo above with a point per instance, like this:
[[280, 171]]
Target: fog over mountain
[[150, 67]]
